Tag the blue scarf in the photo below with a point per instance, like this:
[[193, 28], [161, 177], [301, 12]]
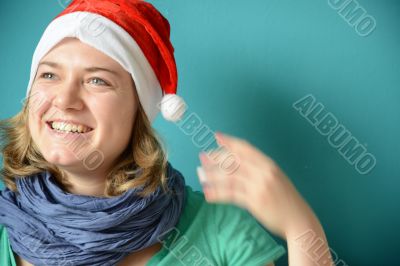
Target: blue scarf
[[48, 226]]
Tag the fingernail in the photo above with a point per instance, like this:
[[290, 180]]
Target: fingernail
[[201, 174], [220, 138]]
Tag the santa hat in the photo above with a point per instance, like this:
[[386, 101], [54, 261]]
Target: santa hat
[[133, 33]]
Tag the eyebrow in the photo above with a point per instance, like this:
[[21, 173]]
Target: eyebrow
[[88, 69]]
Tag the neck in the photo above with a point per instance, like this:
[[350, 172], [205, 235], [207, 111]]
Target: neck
[[86, 184]]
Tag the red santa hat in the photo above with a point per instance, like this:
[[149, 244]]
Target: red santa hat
[[132, 32]]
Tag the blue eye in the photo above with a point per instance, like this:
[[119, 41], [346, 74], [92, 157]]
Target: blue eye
[[99, 82]]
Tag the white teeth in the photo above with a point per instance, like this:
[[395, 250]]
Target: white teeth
[[61, 126]]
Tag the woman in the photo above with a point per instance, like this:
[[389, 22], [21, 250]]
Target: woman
[[87, 179]]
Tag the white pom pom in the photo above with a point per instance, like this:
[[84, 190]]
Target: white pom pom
[[172, 107]]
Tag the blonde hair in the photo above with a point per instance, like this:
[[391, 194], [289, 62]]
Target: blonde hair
[[142, 163]]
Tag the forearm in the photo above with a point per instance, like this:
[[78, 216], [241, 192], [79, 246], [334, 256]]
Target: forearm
[[307, 244]]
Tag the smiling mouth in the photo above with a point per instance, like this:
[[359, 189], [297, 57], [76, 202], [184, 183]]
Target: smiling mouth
[[65, 128]]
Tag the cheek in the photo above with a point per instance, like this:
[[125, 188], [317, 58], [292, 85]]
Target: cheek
[[39, 102], [114, 109], [115, 118], [34, 131], [38, 105]]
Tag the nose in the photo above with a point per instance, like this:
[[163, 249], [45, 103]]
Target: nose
[[68, 96]]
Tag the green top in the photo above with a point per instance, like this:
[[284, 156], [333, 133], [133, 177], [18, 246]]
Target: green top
[[6, 253], [206, 234]]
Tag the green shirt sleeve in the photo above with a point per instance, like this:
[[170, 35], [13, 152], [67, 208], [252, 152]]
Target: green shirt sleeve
[[6, 253], [243, 241]]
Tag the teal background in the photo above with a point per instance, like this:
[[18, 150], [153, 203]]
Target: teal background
[[242, 64]]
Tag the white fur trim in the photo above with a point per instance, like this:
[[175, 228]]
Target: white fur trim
[[109, 38], [172, 107]]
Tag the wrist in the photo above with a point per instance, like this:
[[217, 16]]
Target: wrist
[[304, 222], [307, 244]]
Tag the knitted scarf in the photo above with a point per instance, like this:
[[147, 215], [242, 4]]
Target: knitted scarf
[[48, 226]]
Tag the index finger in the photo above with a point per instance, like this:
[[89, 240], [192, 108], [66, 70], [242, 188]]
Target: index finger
[[241, 148], [234, 144]]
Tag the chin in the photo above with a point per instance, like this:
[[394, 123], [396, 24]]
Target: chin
[[62, 159]]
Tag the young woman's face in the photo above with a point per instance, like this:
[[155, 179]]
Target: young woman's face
[[78, 88]]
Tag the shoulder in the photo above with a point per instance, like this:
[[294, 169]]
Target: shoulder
[[6, 254], [195, 208], [244, 240], [228, 234], [2, 231], [3, 238]]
